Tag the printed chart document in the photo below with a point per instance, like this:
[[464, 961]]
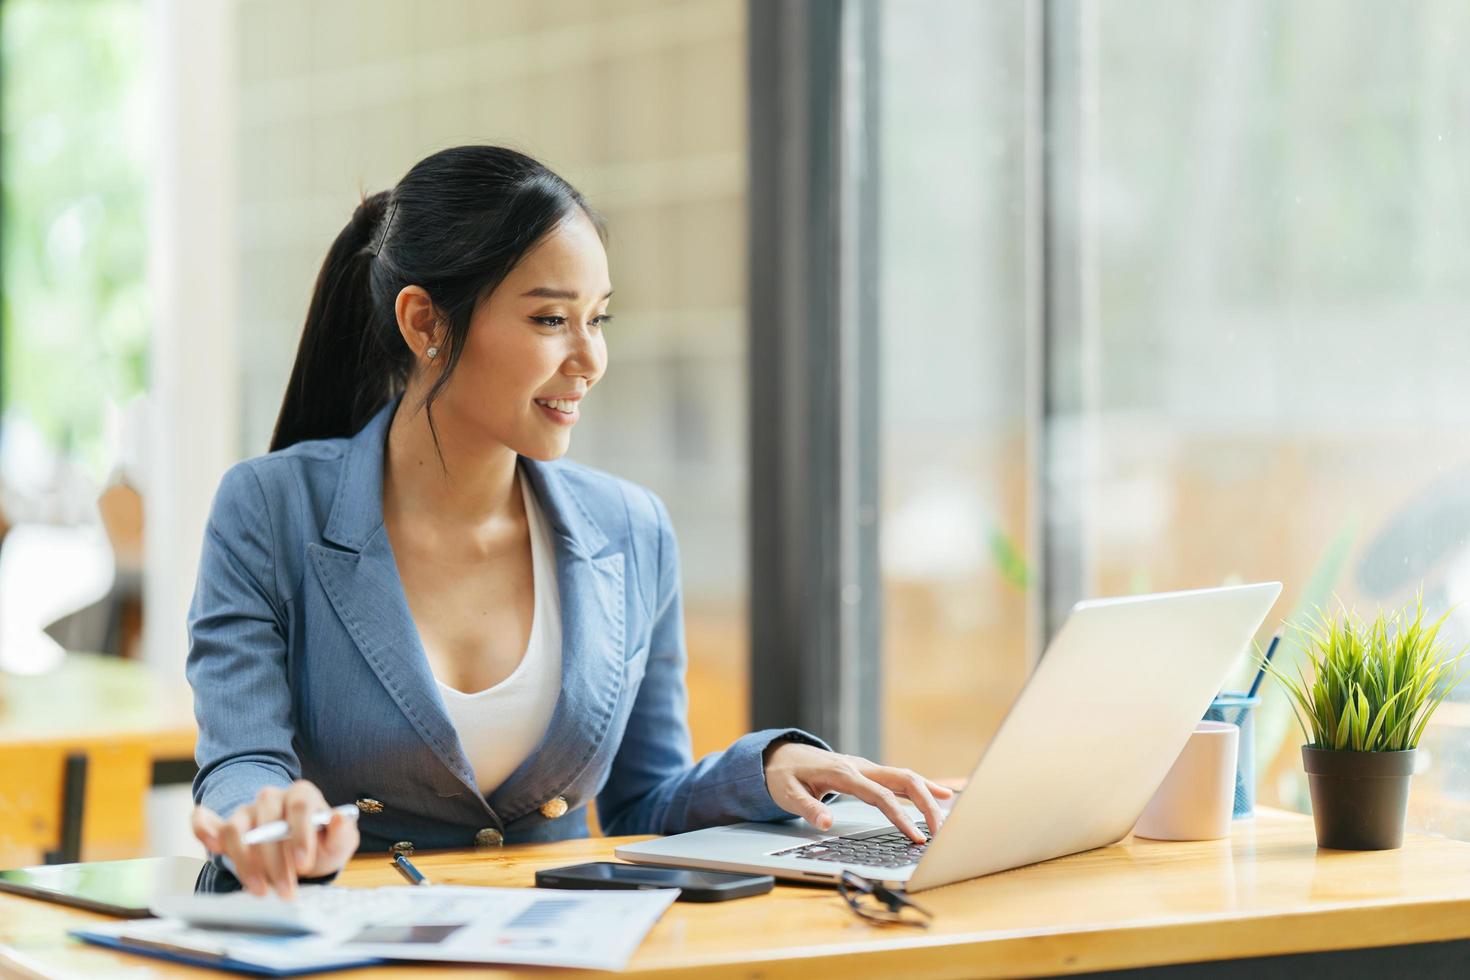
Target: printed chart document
[[462, 924]]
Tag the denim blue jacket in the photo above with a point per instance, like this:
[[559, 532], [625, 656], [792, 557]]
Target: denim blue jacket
[[305, 664]]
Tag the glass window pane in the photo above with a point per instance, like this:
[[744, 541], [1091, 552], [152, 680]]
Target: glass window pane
[[953, 367], [650, 126], [77, 130], [1281, 223]]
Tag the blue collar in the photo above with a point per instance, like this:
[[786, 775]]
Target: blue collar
[[357, 512], [364, 587]]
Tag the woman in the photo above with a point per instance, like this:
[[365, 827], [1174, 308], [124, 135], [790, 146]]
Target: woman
[[410, 603]]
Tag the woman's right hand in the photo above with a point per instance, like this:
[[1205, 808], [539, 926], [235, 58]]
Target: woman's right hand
[[308, 852]]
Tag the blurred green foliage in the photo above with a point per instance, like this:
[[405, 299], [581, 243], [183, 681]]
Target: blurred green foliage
[[76, 133]]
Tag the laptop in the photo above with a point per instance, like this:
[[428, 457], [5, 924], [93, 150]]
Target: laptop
[[1077, 758]]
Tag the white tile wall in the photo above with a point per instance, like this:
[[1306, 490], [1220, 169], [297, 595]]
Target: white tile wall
[[640, 103]]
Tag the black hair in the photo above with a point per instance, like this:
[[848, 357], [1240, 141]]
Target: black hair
[[456, 224]]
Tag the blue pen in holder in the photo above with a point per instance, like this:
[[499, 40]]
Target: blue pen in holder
[[1238, 708]]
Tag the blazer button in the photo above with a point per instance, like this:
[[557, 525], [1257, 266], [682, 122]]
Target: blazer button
[[369, 805], [552, 809], [404, 847], [489, 837]]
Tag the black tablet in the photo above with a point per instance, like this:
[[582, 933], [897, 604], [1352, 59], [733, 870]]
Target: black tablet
[[124, 888]]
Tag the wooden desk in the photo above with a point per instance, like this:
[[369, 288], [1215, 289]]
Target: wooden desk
[[92, 700], [1266, 892], [136, 729]]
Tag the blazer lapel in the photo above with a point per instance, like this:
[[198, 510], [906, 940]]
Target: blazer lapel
[[361, 581], [591, 586]]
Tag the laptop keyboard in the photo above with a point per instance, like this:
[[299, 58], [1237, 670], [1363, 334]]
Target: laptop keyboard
[[886, 847]]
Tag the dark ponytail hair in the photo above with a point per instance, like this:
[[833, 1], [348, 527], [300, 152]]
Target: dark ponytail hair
[[456, 224]]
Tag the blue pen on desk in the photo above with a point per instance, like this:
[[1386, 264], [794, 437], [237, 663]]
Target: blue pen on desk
[[1261, 671], [405, 867]]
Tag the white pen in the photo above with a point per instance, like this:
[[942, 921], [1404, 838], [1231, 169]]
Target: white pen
[[268, 833]]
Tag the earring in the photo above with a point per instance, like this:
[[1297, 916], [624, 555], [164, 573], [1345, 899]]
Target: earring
[[433, 352]]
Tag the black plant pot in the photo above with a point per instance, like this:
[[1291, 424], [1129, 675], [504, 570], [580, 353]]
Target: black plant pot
[[1359, 799]]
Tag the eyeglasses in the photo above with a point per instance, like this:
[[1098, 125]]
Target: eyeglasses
[[877, 903]]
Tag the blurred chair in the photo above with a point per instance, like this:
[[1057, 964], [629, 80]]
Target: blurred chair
[[61, 802], [114, 623]]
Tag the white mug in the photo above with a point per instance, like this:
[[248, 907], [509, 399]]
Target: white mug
[[1196, 800]]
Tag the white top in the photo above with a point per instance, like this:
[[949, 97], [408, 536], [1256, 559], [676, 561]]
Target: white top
[[501, 725]]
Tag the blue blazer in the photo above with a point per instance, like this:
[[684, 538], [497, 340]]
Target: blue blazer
[[306, 664]]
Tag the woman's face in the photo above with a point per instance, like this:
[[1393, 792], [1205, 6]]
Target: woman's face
[[534, 347]]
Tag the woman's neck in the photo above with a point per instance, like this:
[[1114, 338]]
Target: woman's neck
[[473, 488]]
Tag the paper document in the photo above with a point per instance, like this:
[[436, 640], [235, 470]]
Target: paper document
[[465, 924]]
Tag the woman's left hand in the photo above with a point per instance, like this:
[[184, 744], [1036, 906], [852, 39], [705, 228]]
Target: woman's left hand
[[797, 776]]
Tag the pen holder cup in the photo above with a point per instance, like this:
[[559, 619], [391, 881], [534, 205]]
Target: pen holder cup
[[1239, 709]]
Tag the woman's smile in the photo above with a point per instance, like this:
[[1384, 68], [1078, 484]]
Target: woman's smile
[[558, 416], [562, 409]]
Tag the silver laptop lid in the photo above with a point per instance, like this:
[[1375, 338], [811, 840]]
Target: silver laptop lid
[[1096, 728]]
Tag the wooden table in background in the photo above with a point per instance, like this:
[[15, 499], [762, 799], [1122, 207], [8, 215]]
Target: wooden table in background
[[1259, 897], [94, 700], [136, 728]]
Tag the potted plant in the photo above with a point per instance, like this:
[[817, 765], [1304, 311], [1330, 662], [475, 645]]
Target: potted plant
[[1372, 691]]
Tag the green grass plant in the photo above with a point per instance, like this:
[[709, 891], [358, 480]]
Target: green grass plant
[[1374, 685]]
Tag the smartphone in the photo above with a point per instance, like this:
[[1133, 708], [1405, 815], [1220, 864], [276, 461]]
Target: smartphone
[[694, 886]]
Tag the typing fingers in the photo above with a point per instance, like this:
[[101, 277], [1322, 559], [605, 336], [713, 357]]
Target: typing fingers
[[207, 826], [302, 800], [940, 791], [908, 783], [242, 855], [338, 843], [878, 795], [280, 873], [797, 799]]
